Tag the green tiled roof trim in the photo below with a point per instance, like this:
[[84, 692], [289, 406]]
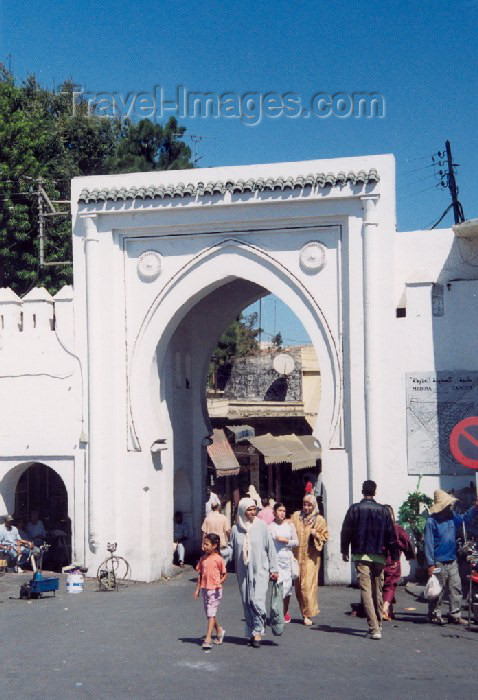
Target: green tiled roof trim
[[321, 180]]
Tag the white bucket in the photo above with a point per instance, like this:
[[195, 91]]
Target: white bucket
[[75, 583]]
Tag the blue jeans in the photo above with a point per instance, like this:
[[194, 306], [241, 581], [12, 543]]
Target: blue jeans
[[14, 559]]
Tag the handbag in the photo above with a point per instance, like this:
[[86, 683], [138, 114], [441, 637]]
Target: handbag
[[294, 567]]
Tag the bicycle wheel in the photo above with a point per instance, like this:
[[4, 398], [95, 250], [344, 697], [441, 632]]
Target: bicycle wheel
[[106, 576], [112, 572], [121, 569]]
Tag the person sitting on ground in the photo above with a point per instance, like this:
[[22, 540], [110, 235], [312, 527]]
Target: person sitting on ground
[[20, 525], [267, 513], [35, 529], [216, 523], [16, 549], [440, 553], [34, 553], [181, 534]]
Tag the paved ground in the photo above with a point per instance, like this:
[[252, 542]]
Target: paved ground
[[142, 643]]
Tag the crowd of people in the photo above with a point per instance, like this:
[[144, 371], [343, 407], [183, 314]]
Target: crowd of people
[[267, 546]]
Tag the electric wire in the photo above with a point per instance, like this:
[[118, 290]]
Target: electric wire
[[412, 160], [417, 170], [450, 206], [414, 194]]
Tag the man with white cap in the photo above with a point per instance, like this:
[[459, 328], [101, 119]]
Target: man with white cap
[[440, 553]]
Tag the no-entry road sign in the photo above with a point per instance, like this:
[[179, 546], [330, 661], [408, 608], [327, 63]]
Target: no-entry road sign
[[464, 442]]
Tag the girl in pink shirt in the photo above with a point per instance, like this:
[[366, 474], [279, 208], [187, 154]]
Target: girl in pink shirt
[[212, 574]]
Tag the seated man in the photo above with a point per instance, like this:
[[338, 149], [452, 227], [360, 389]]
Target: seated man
[[17, 551], [181, 534], [35, 530]]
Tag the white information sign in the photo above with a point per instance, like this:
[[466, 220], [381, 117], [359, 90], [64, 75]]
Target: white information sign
[[436, 402]]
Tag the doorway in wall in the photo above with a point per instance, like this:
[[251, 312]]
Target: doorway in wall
[[41, 489]]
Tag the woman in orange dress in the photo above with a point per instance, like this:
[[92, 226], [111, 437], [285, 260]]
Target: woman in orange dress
[[312, 534]]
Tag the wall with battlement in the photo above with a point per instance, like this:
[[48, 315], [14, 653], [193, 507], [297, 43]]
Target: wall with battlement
[[42, 396], [40, 375]]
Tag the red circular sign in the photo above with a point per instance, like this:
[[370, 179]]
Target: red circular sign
[[464, 442]]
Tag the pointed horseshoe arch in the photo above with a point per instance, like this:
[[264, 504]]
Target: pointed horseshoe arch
[[210, 269]]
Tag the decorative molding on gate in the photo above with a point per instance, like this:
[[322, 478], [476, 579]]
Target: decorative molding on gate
[[201, 189], [136, 363]]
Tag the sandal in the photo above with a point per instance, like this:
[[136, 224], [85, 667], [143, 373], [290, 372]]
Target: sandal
[[307, 621], [220, 639], [207, 646]]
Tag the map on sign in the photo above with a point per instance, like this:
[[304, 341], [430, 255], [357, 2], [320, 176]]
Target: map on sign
[[436, 403]]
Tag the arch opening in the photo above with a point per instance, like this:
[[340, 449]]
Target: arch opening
[[41, 489], [183, 369]]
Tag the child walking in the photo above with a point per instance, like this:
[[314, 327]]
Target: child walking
[[212, 574]]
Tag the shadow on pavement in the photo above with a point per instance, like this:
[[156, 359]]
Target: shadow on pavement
[[240, 641], [340, 630], [416, 618]]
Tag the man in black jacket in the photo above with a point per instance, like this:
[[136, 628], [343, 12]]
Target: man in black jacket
[[368, 530]]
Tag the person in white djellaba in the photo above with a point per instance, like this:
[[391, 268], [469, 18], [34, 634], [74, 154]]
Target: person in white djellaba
[[285, 537]]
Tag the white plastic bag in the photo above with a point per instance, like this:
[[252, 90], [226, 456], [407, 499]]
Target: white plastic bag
[[432, 589], [294, 568]]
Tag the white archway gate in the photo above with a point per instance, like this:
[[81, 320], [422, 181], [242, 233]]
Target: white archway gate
[[162, 263]]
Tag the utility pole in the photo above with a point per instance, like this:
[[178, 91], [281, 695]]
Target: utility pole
[[41, 221], [42, 197], [457, 208], [260, 321]]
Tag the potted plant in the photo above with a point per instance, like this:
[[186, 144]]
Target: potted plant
[[412, 515]]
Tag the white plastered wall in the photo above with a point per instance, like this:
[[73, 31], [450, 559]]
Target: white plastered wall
[[127, 330], [41, 412]]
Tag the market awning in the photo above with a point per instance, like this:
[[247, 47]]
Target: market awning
[[300, 450], [241, 432], [301, 458], [310, 442], [272, 449], [221, 455]]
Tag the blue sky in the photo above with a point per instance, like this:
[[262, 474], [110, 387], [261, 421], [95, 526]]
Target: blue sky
[[421, 56]]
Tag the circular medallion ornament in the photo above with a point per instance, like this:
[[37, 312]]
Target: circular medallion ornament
[[149, 266], [312, 257]]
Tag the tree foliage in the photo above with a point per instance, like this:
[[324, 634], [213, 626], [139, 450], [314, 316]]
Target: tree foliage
[[147, 146], [42, 136], [238, 340]]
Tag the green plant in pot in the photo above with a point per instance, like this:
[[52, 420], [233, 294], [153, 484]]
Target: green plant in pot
[[412, 515]]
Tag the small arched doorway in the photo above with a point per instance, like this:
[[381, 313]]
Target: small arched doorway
[[41, 489]]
